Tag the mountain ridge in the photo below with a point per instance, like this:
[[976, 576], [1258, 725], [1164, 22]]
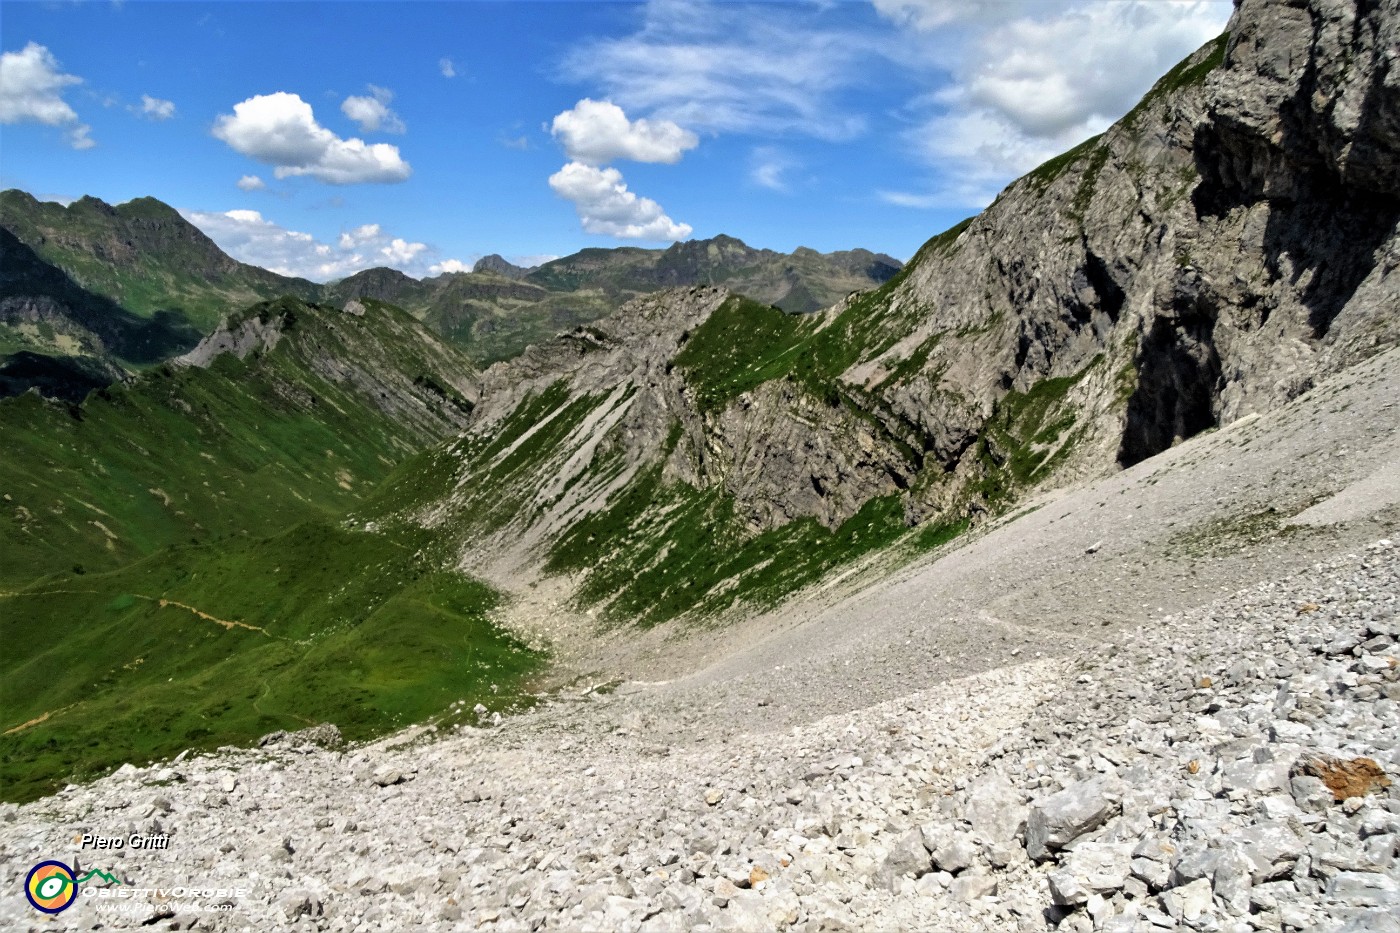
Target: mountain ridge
[[108, 272]]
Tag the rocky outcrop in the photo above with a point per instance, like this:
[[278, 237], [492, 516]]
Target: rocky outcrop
[[784, 454], [1224, 246], [239, 337], [780, 452], [377, 353]]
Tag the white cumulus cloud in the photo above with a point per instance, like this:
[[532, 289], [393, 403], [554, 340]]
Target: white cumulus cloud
[[251, 183], [32, 84], [400, 252], [367, 233], [448, 265], [1087, 66], [605, 205], [250, 237], [156, 109], [598, 131], [372, 112], [281, 130], [446, 68], [78, 137]]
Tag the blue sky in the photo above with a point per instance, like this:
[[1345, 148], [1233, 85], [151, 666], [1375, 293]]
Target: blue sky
[[321, 138]]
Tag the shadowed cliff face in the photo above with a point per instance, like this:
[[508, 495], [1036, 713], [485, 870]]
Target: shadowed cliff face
[[1299, 141], [1316, 144], [36, 297], [1178, 381]]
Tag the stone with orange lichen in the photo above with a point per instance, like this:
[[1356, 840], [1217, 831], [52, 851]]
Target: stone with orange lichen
[[1355, 778]]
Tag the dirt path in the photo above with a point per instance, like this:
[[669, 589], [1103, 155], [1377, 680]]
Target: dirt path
[[226, 623], [36, 720]]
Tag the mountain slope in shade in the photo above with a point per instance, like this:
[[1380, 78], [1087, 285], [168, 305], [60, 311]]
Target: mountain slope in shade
[[143, 256]]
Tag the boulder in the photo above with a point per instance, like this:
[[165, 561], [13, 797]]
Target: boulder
[[1067, 815]]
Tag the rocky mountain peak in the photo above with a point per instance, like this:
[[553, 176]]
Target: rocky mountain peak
[[380, 282], [715, 251], [88, 203], [498, 265]]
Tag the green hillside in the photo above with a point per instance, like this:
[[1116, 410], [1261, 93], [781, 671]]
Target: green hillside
[[217, 644], [245, 447], [180, 571], [143, 256]]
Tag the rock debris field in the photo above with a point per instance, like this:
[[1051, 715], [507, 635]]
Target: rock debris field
[[1229, 768], [1009, 736]]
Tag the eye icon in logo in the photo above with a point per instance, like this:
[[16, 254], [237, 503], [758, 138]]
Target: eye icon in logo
[[51, 887]]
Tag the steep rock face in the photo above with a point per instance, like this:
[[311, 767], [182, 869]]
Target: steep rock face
[[632, 345], [784, 454], [1223, 246], [239, 337], [780, 452], [1300, 168]]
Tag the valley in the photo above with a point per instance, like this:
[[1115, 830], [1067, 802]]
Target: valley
[[1045, 581]]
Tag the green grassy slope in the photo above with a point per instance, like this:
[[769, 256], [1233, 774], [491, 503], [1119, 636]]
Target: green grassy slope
[[202, 646], [180, 573], [187, 454]]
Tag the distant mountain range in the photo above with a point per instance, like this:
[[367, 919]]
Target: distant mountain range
[[90, 291]]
